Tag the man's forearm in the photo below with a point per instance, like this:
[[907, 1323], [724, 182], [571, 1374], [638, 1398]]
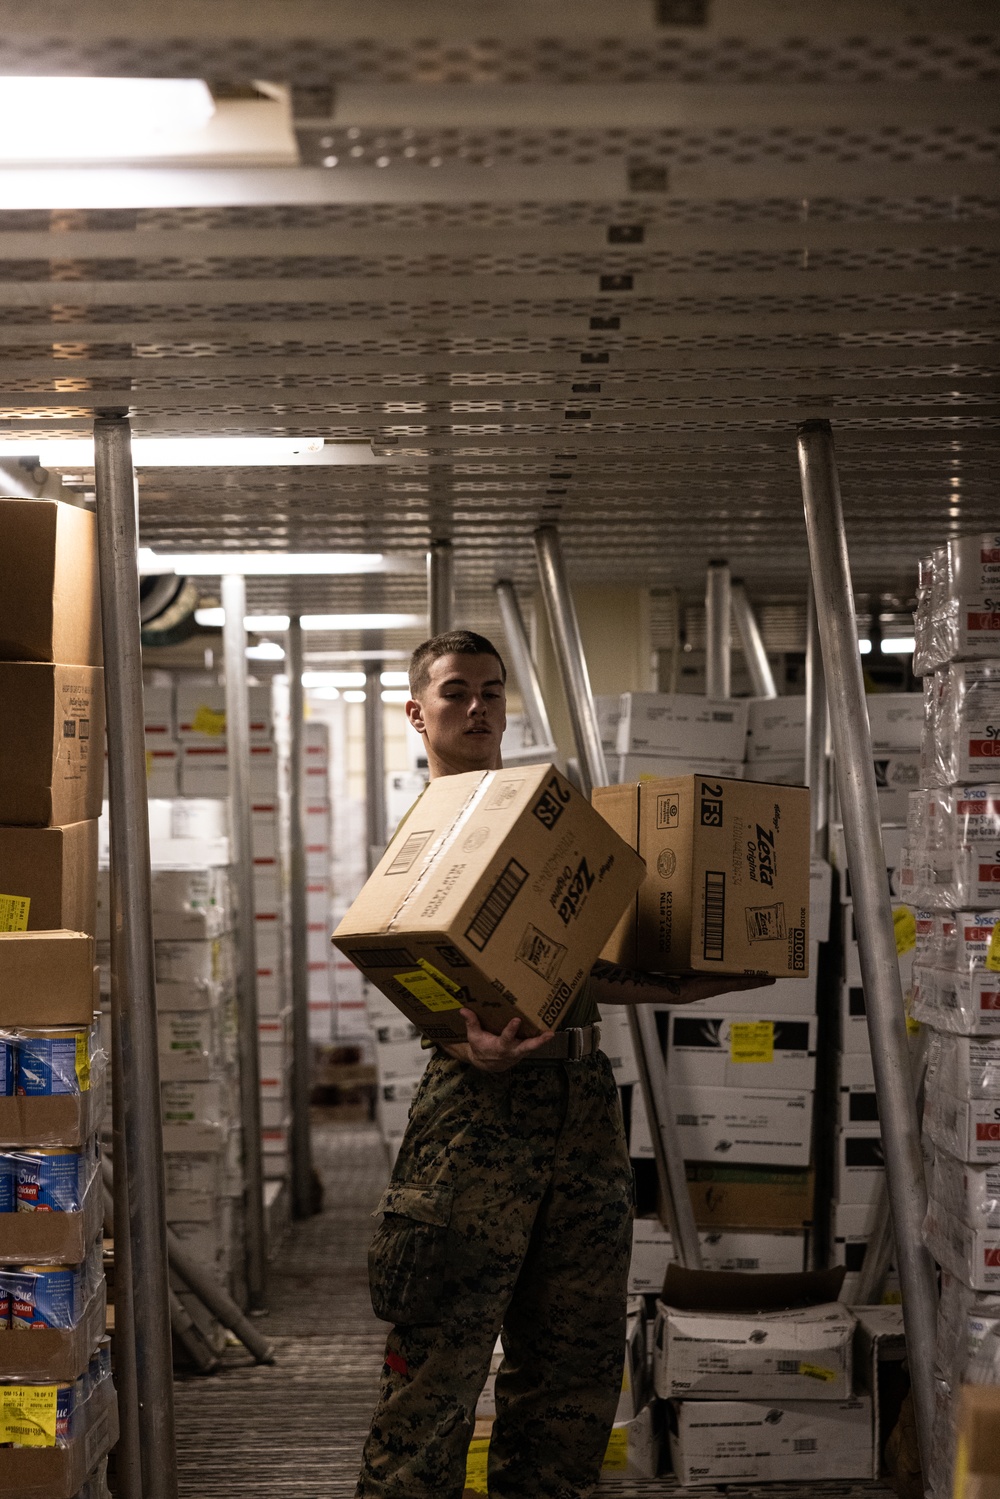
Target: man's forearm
[[611, 984]]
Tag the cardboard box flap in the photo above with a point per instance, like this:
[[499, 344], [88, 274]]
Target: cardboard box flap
[[730, 1291]]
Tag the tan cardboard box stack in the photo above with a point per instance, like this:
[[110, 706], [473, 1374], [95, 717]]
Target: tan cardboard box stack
[[58, 1415], [728, 874], [951, 872]]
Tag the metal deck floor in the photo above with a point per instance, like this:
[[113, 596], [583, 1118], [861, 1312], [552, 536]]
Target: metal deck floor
[[297, 1428]]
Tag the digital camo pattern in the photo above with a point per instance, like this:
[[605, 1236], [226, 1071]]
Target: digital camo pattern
[[510, 1203]]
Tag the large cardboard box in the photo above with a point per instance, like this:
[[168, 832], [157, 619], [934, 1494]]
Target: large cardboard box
[[47, 978], [57, 1119], [498, 893], [51, 743], [727, 884], [49, 589], [59, 1472], [54, 870], [722, 1441]]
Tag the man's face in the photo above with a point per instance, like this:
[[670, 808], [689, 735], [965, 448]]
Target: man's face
[[462, 713]]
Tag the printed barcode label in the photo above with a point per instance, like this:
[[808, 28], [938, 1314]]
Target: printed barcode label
[[788, 1366], [411, 847], [381, 957], [803, 1444], [496, 905], [687, 1119], [715, 915]]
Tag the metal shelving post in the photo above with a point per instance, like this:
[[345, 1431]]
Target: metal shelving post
[[565, 630], [302, 1169], [523, 663], [718, 630], [234, 641], [817, 724], [897, 1110], [440, 587], [759, 667], [133, 980]]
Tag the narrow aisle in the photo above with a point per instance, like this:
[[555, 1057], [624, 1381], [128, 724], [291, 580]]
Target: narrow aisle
[[297, 1428]]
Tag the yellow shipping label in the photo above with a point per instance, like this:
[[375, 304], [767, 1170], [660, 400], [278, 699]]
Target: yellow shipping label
[[616, 1456], [28, 1415], [14, 913], [751, 1041], [817, 1371], [208, 721], [475, 1465], [149, 764], [428, 990], [905, 925], [993, 951], [83, 1061], [912, 1026]]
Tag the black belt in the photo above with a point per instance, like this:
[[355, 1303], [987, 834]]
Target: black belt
[[568, 1045]]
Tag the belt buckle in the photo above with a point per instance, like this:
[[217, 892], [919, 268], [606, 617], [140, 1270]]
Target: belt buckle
[[574, 1042]]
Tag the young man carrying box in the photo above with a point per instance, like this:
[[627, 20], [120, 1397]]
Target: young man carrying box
[[510, 1203]]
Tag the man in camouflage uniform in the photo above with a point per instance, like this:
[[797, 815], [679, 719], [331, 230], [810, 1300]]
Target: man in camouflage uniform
[[510, 1204]]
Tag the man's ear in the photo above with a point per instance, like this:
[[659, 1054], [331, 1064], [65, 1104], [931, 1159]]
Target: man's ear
[[415, 714]]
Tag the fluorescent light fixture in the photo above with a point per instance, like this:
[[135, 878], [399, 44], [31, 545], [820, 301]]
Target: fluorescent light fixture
[[901, 645], [363, 621], [85, 119], [258, 624], [864, 647], [352, 656], [267, 650], [324, 694], [333, 679], [395, 695], [395, 679], [262, 564], [77, 453], [354, 697]]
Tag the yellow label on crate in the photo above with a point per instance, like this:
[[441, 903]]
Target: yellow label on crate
[[83, 1061], [616, 1456], [912, 1026], [431, 988], [751, 1041], [817, 1371], [993, 951], [28, 1415], [905, 925], [475, 1465], [208, 721], [149, 764], [14, 913]]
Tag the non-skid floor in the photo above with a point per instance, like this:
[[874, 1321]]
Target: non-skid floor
[[296, 1428]]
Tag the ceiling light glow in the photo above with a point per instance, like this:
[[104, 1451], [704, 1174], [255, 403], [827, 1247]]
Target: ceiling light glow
[[263, 564], [902, 645], [267, 650], [258, 624], [106, 119], [363, 621], [395, 679], [333, 679]]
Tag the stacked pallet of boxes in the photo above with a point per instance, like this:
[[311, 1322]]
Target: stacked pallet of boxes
[[201, 730], [952, 871], [896, 722], [318, 838], [58, 1414]]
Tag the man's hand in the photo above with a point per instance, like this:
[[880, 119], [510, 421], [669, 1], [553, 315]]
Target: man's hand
[[610, 984], [492, 1053]]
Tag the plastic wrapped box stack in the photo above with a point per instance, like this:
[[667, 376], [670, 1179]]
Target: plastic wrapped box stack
[[896, 722], [952, 875], [58, 1412]]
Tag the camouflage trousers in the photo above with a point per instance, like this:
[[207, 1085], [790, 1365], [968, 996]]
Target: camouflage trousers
[[509, 1210]]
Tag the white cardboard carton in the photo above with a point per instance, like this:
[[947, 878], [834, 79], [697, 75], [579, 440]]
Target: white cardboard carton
[[791, 996], [776, 729], [644, 767], [633, 1449], [683, 726], [858, 1164], [896, 720], [721, 1249], [803, 1354], [720, 1441], [764, 1127], [733, 1051]]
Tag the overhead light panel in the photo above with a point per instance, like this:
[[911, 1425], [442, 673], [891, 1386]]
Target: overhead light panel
[[267, 650], [901, 645], [258, 624], [77, 453], [269, 564], [363, 621], [98, 119], [333, 679], [395, 679]]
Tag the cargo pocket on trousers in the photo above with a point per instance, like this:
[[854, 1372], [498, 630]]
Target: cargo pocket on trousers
[[406, 1261]]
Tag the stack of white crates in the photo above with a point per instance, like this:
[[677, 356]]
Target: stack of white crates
[[400, 1060], [666, 734], [952, 871], [896, 723], [319, 913]]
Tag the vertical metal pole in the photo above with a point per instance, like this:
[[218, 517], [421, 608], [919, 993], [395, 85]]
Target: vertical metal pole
[[302, 1173], [523, 662], [564, 628], [234, 641], [718, 630], [133, 983], [128, 1457], [817, 768], [670, 1169], [754, 653], [900, 1125], [440, 587], [374, 765]]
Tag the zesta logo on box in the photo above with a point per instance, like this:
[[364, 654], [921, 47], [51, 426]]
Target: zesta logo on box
[[762, 857], [571, 890]]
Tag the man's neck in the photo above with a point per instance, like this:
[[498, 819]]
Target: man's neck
[[438, 765]]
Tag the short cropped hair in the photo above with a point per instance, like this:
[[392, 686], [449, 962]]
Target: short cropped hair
[[451, 643]]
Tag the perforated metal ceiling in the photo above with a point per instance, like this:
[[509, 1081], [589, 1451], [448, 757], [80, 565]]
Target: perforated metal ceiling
[[631, 364]]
